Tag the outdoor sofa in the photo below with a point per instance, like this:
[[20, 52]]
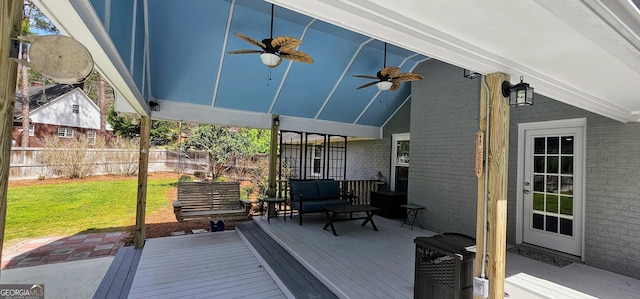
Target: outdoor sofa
[[311, 196]]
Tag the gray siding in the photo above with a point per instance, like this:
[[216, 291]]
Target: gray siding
[[365, 158], [442, 177], [444, 120]]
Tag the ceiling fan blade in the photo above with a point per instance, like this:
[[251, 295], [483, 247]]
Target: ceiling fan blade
[[285, 42], [244, 51], [298, 56], [250, 40], [368, 84], [395, 85], [408, 77], [390, 71], [366, 77]]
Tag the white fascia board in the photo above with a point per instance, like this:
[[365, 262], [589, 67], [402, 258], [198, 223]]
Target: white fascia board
[[121, 105], [176, 111], [77, 19], [299, 124], [420, 38]]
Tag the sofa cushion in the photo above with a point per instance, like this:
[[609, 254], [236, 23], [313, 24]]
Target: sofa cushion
[[328, 189], [316, 205], [307, 189]]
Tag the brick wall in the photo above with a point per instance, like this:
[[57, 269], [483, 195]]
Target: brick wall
[[365, 158], [444, 120], [43, 130], [612, 191]]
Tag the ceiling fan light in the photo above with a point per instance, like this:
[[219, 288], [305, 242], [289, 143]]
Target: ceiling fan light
[[384, 85], [270, 59]]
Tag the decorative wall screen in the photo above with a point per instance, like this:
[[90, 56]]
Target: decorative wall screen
[[312, 156]]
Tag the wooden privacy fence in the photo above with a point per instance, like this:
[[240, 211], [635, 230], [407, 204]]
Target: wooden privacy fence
[[25, 163]]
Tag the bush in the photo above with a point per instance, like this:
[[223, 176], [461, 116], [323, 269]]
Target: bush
[[124, 160], [69, 157], [185, 178], [200, 174]]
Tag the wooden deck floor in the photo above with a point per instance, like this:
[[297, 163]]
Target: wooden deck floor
[[119, 277], [359, 262], [294, 277], [362, 263], [212, 265]]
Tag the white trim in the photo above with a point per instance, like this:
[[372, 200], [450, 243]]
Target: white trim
[[107, 14], [346, 69], [558, 124], [286, 72], [176, 111], [394, 152], [224, 49], [147, 68], [376, 20], [82, 23], [379, 91], [396, 111], [132, 57]]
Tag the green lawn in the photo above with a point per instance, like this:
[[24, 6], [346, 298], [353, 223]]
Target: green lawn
[[71, 208]]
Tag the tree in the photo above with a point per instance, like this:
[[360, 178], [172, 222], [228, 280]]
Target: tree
[[220, 143], [101, 105], [33, 23], [122, 126], [259, 140], [162, 132]]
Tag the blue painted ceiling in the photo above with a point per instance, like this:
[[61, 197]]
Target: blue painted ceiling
[[188, 63]]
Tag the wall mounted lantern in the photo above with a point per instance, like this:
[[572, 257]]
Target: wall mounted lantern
[[276, 121], [154, 106], [520, 94], [469, 74]]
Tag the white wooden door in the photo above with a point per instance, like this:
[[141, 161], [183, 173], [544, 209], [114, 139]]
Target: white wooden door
[[552, 188]]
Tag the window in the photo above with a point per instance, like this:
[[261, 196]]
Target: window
[[91, 137], [317, 159], [32, 130], [400, 162], [75, 108], [65, 132]]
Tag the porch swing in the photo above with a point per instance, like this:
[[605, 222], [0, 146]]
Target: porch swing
[[208, 200]]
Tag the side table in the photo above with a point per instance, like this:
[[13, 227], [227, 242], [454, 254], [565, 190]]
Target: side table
[[412, 215], [271, 207]]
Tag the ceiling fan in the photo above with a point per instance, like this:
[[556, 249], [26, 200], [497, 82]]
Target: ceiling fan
[[389, 77], [274, 49]]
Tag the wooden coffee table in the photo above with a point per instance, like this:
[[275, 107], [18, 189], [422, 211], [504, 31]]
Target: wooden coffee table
[[333, 211]]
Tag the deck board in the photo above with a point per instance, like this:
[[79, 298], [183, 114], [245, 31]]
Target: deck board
[[211, 265], [297, 279], [119, 277], [359, 262]]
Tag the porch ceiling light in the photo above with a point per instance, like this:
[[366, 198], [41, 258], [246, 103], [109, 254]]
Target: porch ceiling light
[[270, 59], [384, 85], [520, 94]]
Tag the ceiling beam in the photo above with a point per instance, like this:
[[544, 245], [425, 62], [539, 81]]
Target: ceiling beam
[[175, 111]]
